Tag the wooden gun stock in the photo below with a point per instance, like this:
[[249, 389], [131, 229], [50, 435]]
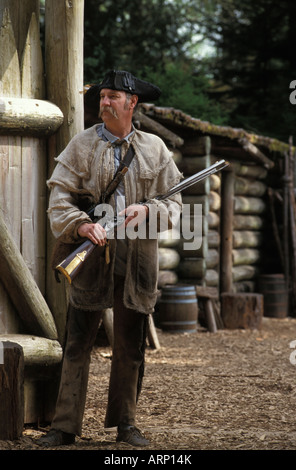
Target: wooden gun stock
[[71, 265]]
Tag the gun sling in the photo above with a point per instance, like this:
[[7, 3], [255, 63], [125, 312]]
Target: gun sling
[[62, 247]]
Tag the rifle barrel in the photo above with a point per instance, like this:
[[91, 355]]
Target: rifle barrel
[[73, 263], [218, 166]]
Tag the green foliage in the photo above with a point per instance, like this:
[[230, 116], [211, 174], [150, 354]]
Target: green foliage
[[249, 73], [187, 91], [256, 60], [132, 34], [150, 38]]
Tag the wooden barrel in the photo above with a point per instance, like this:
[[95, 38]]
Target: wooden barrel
[[274, 290], [178, 310]]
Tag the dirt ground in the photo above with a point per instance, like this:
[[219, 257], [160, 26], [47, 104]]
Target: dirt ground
[[230, 390]]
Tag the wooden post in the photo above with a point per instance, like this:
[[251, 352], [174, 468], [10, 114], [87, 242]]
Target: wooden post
[[64, 28], [208, 295], [22, 288], [20, 13], [33, 151], [10, 149], [23, 176], [152, 334], [292, 225], [107, 319], [64, 72], [227, 209], [42, 359], [11, 391], [23, 115], [242, 310]]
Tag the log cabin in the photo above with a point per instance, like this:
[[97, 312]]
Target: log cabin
[[248, 210]]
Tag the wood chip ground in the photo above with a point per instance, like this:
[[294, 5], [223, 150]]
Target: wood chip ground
[[230, 390]]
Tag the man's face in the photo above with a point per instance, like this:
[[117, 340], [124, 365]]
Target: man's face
[[114, 105]]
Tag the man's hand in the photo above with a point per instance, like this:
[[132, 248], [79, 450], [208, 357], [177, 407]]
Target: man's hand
[[135, 214], [95, 232]]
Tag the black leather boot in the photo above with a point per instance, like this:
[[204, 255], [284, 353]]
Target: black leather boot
[[131, 435], [56, 438]]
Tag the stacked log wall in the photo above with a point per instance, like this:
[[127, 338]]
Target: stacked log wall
[[169, 258], [200, 266], [248, 224]]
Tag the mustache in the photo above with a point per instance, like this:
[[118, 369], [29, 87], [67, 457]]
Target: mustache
[[110, 110]]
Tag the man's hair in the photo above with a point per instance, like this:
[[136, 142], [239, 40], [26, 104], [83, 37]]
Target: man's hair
[[128, 98]]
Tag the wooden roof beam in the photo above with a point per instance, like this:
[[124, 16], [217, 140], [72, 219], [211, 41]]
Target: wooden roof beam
[[255, 153], [154, 126]]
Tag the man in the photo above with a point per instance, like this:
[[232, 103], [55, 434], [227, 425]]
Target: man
[[126, 279]]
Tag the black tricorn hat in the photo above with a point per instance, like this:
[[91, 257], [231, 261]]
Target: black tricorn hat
[[125, 81]]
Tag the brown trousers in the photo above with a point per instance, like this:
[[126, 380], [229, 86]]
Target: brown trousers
[[127, 367]]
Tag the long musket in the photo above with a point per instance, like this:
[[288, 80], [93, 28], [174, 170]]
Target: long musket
[[73, 263]]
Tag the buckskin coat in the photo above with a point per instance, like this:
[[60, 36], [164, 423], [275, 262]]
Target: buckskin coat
[[83, 170]]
